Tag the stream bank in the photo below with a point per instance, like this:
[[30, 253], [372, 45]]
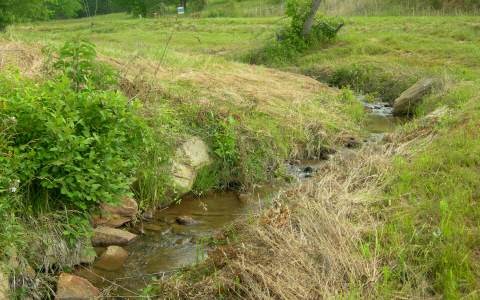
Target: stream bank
[[175, 237]]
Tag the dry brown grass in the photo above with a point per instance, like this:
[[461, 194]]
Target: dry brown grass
[[307, 245], [27, 59], [248, 88], [317, 240]]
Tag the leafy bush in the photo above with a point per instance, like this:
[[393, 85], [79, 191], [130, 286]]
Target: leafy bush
[[323, 28], [66, 147], [290, 41], [77, 61]]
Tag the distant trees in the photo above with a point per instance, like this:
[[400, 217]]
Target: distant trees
[[150, 7], [62, 9], [23, 10], [18, 10]]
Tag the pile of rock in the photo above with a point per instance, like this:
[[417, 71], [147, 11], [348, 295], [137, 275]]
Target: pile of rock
[[105, 234]]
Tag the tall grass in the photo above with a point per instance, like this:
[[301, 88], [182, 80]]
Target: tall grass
[[399, 8]]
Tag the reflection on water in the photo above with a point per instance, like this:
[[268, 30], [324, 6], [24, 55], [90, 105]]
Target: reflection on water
[[166, 246]]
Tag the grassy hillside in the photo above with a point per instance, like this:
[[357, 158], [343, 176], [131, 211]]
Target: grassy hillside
[[253, 118], [397, 220]]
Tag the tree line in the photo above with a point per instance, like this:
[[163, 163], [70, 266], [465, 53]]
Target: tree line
[[12, 11]]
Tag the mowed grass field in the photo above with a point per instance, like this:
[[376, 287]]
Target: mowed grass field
[[152, 37]]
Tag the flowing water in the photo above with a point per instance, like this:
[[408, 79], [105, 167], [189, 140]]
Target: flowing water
[[379, 119], [164, 245]]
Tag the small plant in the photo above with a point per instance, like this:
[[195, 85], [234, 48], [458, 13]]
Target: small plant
[[225, 141], [77, 61]]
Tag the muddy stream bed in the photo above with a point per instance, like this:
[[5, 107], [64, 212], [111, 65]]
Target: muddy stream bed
[[164, 245]]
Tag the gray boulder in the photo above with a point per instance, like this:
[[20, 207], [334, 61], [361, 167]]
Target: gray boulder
[[190, 157], [405, 104]]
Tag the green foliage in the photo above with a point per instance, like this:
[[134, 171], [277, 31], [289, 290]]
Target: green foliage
[[77, 61], [73, 148], [224, 139], [61, 9], [432, 234], [14, 11], [222, 135], [322, 29], [351, 106], [368, 79], [167, 123], [290, 42], [76, 227]]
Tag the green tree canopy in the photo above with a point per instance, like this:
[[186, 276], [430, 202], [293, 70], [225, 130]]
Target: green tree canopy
[[12, 11], [19, 10]]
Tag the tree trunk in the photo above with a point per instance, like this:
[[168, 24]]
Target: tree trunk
[[307, 26], [184, 4]]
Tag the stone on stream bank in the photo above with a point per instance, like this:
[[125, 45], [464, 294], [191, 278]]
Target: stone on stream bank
[[74, 287], [112, 259], [406, 103], [190, 157], [112, 215], [185, 220], [106, 236]]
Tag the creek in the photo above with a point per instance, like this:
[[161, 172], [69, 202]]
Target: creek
[[165, 246]]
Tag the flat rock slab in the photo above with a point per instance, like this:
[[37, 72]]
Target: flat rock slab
[[110, 220], [106, 236], [112, 259], [74, 287], [406, 103], [127, 207], [115, 215]]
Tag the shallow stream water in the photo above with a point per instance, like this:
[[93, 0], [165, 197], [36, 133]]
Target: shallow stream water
[[164, 246], [380, 119]]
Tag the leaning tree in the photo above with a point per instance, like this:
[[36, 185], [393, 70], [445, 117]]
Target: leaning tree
[[308, 24]]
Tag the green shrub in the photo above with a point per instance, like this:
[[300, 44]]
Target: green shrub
[[77, 61], [66, 147], [290, 42], [222, 135], [368, 79]]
